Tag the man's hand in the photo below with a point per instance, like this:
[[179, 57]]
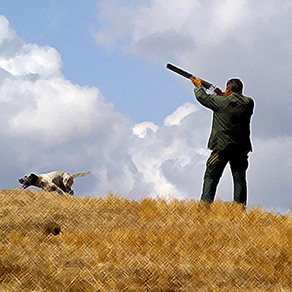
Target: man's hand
[[196, 80]]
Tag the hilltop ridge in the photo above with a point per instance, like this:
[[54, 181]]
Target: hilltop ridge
[[63, 243]]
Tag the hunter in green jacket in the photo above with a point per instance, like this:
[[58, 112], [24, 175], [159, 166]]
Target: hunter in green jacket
[[229, 139]]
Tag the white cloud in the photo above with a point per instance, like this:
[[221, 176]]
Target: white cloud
[[32, 59], [6, 34], [205, 22], [141, 130], [52, 110], [171, 160], [182, 112], [58, 111]]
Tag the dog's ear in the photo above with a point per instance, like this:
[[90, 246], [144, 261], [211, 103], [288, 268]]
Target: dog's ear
[[33, 178]]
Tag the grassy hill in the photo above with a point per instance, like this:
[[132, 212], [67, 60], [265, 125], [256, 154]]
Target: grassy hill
[[62, 243]]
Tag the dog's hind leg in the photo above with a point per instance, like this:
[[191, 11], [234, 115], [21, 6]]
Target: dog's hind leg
[[70, 192], [68, 182], [54, 188]]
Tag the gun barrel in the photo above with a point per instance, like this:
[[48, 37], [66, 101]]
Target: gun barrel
[[178, 71], [189, 75]]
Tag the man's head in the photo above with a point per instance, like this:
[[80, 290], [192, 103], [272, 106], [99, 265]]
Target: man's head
[[234, 85]]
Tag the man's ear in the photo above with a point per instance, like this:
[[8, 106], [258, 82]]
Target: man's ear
[[228, 91]]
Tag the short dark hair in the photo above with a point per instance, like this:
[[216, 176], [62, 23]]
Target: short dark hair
[[235, 85]]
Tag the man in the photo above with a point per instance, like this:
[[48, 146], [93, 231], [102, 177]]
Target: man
[[229, 139]]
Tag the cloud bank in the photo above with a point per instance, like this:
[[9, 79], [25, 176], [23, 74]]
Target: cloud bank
[[49, 123]]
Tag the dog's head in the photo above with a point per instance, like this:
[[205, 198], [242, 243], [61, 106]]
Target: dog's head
[[28, 180]]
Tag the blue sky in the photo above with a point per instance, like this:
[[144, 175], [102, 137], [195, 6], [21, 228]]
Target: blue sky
[[83, 86]]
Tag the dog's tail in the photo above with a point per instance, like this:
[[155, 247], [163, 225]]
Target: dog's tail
[[81, 174]]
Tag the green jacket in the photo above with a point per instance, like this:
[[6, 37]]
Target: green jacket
[[231, 120]]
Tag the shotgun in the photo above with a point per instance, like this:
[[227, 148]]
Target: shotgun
[[188, 75]]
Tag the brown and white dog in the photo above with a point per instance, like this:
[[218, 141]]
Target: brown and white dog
[[56, 181]]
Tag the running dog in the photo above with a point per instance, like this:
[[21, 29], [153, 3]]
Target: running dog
[[56, 181]]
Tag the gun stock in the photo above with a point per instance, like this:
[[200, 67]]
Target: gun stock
[[188, 75]]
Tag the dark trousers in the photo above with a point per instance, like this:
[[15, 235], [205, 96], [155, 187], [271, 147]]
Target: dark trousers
[[215, 165]]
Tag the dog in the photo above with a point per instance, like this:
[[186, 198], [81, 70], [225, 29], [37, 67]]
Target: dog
[[56, 181]]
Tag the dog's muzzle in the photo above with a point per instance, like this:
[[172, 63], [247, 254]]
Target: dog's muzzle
[[23, 183]]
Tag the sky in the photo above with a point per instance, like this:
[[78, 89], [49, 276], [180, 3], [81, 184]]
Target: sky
[[83, 86]]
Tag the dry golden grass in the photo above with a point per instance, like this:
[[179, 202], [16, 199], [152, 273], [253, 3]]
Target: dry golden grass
[[61, 243]]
